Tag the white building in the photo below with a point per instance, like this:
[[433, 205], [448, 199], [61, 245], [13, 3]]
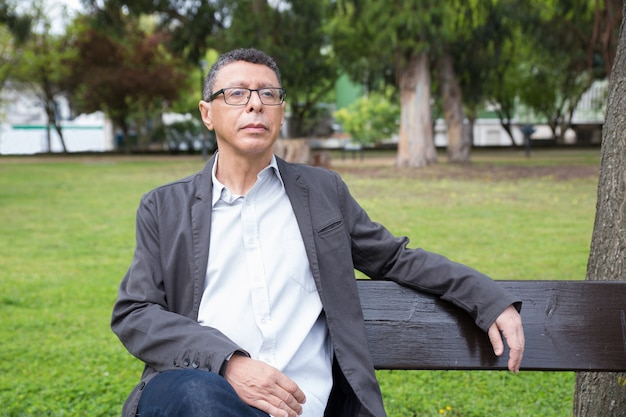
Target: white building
[[23, 128]]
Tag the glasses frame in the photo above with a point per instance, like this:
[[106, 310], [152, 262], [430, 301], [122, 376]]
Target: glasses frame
[[282, 91]]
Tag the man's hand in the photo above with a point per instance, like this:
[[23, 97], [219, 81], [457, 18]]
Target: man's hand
[[510, 324], [264, 387]]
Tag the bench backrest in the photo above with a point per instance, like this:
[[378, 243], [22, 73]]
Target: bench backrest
[[568, 326]]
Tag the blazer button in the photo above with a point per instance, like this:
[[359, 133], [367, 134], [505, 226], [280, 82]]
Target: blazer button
[[186, 362], [195, 364]]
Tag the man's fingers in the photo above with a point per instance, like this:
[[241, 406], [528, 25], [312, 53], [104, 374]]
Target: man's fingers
[[264, 387], [273, 410], [270, 399], [279, 409], [294, 396], [496, 340], [509, 323], [288, 396], [515, 339], [515, 359]]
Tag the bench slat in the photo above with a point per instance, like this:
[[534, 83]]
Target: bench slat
[[569, 326]]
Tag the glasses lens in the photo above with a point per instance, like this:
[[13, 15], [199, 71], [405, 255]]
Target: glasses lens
[[236, 95], [271, 95]]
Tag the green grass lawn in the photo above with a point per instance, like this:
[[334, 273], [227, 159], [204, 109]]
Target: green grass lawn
[[67, 233]]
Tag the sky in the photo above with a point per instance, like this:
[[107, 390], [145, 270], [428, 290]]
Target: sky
[[55, 7], [71, 4]]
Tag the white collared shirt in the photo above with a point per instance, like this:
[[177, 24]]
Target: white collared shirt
[[259, 290]]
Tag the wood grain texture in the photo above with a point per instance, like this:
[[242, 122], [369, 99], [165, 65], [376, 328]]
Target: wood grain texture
[[568, 325]]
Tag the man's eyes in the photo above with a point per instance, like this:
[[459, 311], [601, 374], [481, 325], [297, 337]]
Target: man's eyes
[[238, 92], [244, 92]]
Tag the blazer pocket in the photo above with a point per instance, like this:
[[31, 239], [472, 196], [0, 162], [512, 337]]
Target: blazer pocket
[[330, 228]]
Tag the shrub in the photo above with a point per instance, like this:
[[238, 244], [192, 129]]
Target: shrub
[[371, 118]]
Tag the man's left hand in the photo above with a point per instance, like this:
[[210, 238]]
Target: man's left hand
[[509, 325]]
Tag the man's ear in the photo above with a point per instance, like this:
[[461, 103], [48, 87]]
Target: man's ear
[[205, 113]]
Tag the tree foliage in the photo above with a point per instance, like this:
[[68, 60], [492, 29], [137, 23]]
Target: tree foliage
[[547, 53], [484, 57], [130, 77], [14, 31], [391, 34], [467, 53], [18, 24], [191, 25], [461, 40], [10, 54], [605, 32], [371, 118], [556, 50], [41, 69], [558, 61], [293, 33]]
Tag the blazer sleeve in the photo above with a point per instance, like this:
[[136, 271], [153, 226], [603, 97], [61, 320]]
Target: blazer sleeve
[[149, 319], [381, 255]]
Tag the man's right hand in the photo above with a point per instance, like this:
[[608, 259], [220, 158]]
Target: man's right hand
[[264, 387]]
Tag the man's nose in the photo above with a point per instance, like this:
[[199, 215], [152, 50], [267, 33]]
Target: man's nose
[[255, 101]]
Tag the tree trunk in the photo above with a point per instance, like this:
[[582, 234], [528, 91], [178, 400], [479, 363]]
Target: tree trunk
[[296, 122], [294, 150], [604, 394], [121, 123], [51, 111], [257, 6], [48, 138], [459, 140], [416, 147], [59, 129], [469, 127], [607, 16]]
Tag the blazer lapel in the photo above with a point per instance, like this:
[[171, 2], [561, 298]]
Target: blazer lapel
[[201, 209], [298, 193]]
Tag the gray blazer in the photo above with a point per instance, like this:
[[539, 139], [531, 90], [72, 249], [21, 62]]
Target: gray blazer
[[156, 312]]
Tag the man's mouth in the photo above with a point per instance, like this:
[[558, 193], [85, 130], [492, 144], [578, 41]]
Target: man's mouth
[[255, 127]]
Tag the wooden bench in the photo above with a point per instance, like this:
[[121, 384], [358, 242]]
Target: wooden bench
[[568, 326]]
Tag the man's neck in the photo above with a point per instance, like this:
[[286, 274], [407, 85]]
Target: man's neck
[[239, 174]]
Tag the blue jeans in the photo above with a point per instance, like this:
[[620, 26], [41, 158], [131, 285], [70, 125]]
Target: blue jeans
[[192, 393]]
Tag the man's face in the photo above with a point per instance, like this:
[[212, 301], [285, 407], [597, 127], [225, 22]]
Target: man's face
[[249, 129]]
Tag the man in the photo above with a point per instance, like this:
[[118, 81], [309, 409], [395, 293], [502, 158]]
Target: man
[[241, 298]]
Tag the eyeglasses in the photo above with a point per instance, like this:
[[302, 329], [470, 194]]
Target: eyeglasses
[[239, 96]]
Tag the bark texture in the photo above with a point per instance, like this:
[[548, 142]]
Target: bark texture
[[416, 146], [297, 151], [604, 394], [459, 138]]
